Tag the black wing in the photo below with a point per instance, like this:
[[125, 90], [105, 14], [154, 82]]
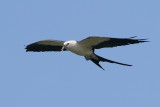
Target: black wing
[[45, 45], [102, 42]]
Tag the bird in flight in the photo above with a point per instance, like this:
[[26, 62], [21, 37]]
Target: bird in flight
[[84, 47]]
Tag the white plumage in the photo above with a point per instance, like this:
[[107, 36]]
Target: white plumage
[[78, 48]]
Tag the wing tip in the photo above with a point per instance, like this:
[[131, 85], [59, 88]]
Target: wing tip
[[26, 48], [140, 40], [31, 48]]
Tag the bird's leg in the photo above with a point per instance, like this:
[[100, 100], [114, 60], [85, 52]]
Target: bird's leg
[[62, 48]]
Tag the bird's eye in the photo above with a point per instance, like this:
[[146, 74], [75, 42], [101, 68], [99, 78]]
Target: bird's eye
[[66, 44]]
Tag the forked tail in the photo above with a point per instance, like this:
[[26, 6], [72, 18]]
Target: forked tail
[[105, 60]]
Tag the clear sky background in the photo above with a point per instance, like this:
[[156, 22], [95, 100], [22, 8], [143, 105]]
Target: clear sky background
[[63, 79]]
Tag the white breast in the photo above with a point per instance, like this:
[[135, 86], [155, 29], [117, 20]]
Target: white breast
[[78, 49]]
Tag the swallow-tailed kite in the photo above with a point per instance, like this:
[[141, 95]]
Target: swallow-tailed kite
[[84, 47]]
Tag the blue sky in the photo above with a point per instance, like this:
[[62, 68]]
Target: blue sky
[[63, 79]]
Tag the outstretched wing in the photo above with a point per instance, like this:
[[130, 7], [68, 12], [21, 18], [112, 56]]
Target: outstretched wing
[[101, 42], [45, 45]]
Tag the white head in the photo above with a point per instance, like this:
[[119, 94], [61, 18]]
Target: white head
[[69, 44]]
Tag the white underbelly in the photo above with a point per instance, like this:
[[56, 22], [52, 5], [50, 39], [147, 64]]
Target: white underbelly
[[82, 51]]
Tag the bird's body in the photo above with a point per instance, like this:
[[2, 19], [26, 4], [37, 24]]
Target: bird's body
[[77, 48], [84, 47]]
